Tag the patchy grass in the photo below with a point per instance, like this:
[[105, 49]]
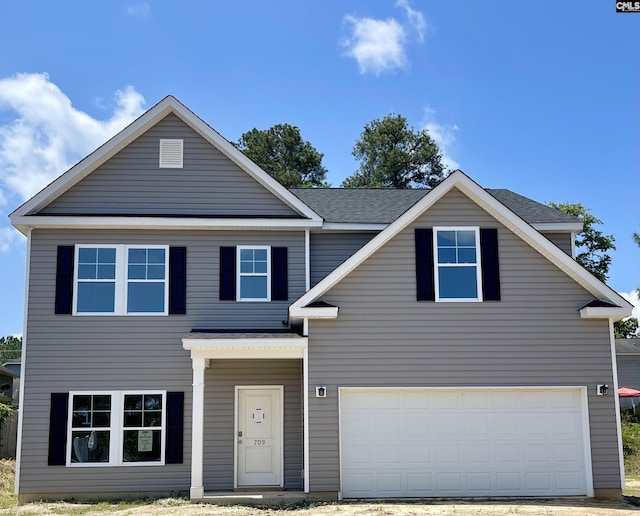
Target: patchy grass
[[631, 443], [7, 479]]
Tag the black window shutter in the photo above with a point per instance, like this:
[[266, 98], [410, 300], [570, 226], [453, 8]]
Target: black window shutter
[[279, 274], [64, 279], [58, 428], [175, 428], [490, 264], [425, 285], [177, 280], [227, 273]]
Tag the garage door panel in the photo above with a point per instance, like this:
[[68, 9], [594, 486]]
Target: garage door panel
[[508, 443]]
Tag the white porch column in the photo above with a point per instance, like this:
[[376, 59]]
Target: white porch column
[[197, 429]]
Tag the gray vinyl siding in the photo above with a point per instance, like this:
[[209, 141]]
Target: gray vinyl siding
[[629, 371], [131, 182], [534, 336], [562, 240], [220, 380], [328, 250], [65, 352]]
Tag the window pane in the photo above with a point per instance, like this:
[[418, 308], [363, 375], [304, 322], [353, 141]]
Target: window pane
[[246, 255], [133, 418], [246, 267], [87, 271], [138, 256], [137, 271], [141, 446], [153, 401], [106, 255], [447, 255], [446, 238], [467, 255], [101, 420], [96, 297], [145, 297], [253, 287], [102, 402], [106, 271], [466, 238], [87, 255], [90, 447], [81, 419], [133, 402], [156, 256], [82, 403], [260, 255], [155, 272], [153, 418], [260, 267], [457, 282]]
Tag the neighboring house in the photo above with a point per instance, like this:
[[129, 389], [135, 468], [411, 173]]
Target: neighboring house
[[14, 365], [628, 361], [194, 326], [7, 379]]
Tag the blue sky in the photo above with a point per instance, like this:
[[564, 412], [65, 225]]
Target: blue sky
[[538, 97]]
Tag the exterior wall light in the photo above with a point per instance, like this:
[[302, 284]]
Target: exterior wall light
[[321, 391], [603, 389]]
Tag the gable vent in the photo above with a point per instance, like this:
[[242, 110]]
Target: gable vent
[[171, 153]]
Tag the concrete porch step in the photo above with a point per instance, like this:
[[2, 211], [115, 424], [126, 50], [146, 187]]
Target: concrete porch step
[[277, 498]]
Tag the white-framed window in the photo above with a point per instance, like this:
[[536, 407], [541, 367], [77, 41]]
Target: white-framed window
[[116, 428], [121, 280], [254, 273], [458, 276]]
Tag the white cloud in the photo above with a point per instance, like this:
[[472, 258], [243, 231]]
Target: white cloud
[[416, 18], [443, 135], [46, 134], [141, 10], [379, 45], [633, 298], [10, 238]]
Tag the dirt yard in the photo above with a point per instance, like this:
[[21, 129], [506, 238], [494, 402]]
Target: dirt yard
[[573, 507]]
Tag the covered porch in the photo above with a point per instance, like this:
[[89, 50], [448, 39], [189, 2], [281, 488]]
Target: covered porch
[[249, 415]]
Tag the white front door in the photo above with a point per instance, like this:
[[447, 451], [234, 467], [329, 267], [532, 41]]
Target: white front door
[[259, 460]]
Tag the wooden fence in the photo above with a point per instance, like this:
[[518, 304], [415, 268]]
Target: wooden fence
[[9, 437]]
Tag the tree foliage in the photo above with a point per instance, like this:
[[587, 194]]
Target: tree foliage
[[591, 244], [10, 348], [626, 329], [282, 153], [394, 155]]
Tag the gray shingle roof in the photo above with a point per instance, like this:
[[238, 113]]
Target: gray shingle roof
[[383, 206], [627, 346]]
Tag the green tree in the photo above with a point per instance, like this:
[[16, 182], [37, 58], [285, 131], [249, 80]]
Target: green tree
[[10, 348], [591, 244], [282, 153], [394, 155], [626, 329]]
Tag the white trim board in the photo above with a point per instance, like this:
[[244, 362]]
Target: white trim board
[[168, 105], [500, 212]]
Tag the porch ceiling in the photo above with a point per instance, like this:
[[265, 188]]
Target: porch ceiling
[[245, 344]]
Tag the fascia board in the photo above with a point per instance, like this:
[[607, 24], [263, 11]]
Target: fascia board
[[558, 226], [594, 312], [495, 208], [139, 126], [115, 222], [348, 226], [314, 312]]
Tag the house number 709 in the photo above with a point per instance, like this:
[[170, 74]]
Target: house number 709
[[259, 442]]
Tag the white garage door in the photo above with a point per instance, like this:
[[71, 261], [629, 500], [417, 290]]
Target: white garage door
[[455, 442]]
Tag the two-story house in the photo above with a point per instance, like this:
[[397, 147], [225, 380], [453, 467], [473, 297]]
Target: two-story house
[[193, 326]]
